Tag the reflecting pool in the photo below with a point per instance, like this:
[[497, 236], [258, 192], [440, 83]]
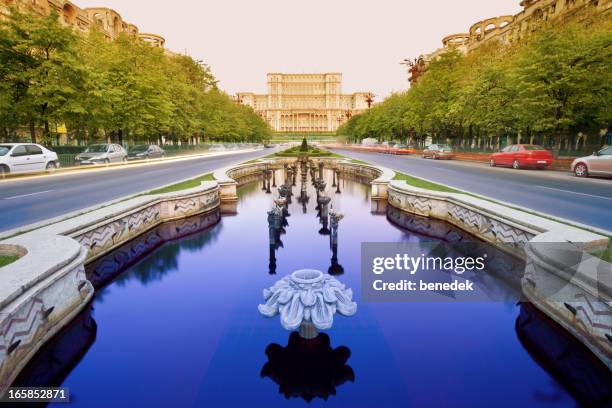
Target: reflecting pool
[[175, 322]]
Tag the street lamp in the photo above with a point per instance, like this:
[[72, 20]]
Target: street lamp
[[415, 66]]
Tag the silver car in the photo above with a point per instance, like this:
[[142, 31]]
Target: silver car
[[102, 154], [597, 164]]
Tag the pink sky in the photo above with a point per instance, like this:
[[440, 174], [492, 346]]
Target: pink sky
[[242, 40]]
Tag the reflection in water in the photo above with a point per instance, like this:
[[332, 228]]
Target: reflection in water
[[308, 369], [568, 361], [275, 229], [58, 357], [277, 218], [105, 269]]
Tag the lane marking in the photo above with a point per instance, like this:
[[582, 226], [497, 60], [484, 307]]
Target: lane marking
[[574, 192], [26, 195]]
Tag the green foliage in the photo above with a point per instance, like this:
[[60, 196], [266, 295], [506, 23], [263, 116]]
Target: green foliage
[[120, 90], [304, 146], [41, 73], [547, 89]]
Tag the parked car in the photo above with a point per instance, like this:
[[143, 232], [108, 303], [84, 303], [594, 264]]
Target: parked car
[[597, 164], [217, 148], [522, 155], [438, 151], [102, 154], [401, 148], [143, 152], [26, 157]]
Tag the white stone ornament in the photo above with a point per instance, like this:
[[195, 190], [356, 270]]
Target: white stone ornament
[[307, 299]]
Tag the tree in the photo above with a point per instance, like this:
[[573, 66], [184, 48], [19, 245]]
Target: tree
[[124, 90], [553, 85], [41, 70]]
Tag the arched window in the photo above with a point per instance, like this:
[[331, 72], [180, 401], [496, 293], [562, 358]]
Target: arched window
[[69, 13], [116, 26]]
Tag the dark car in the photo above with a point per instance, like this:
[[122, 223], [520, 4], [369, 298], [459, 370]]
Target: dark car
[[144, 152]]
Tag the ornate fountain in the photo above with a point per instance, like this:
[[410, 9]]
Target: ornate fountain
[[308, 299]]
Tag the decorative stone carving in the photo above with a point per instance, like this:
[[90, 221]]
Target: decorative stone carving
[[307, 299]]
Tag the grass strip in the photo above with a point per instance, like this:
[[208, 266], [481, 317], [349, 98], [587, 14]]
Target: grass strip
[[183, 185], [427, 185], [7, 259]]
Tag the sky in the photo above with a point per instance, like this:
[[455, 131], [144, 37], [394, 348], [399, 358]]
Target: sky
[[242, 40]]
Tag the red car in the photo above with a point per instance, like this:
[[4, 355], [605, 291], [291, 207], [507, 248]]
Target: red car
[[522, 155]]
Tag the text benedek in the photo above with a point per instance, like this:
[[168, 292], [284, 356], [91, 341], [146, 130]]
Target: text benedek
[[406, 285]]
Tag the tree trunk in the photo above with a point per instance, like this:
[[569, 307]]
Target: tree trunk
[[47, 131], [32, 130]]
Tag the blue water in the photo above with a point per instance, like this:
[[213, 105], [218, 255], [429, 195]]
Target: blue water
[[180, 327]]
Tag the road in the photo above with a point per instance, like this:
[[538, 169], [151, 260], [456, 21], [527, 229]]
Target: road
[[588, 201], [28, 200]]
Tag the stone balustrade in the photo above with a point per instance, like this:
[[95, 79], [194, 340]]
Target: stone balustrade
[[561, 279], [42, 291]]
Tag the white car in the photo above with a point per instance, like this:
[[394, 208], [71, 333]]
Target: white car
[[26, 157], [597, 164]]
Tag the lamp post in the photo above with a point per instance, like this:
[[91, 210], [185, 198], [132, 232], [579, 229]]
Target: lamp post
[[335, 217], [415, 67]]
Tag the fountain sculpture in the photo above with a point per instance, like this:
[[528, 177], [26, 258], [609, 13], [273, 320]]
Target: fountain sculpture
[[307, 299]]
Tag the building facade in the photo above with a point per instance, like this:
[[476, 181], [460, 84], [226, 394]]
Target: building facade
[[107, 20], [306, 102], [511, 28]]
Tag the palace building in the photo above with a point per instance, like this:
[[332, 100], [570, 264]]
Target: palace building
[[306, 102], [106, 20]]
